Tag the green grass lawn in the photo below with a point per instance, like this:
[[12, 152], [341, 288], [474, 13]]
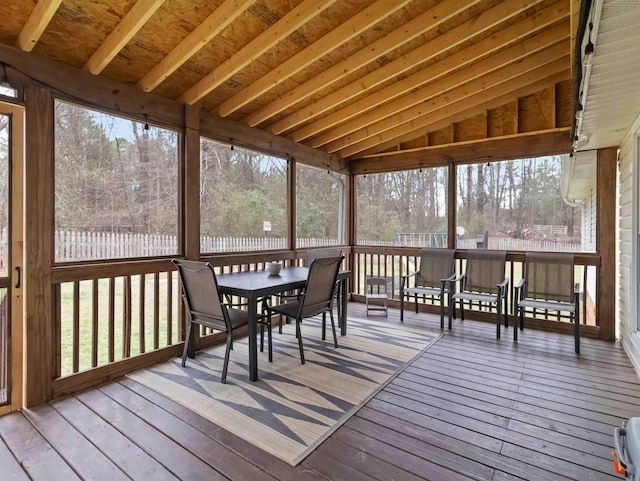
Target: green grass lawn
[[86, 319]]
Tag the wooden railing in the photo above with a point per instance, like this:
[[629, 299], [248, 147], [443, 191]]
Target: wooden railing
[[392, 263], [112, 318]]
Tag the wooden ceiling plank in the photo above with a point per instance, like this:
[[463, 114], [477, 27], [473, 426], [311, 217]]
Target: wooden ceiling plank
[[338, 36], [548, 43], [448, 108], [429, 20], [132, 22], [38, 21], [217, 21], [485, 21], [355, 116], [259, 45]]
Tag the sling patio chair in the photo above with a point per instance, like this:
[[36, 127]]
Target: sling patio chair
[[437, 272], [548, 284], [316, 298], [484, 283], [204, 306], [312, 255]]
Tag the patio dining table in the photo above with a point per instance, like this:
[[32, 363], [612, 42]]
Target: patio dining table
[[255, 285]]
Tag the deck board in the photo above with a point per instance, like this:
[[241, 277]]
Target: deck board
[[471, 407]]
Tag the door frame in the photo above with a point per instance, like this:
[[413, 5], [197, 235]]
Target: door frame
[[16, 260]]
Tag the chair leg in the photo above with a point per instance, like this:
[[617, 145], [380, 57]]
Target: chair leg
[[333, 328], [441, 312], [280, 324], [415, 301], [261, 337], [299, 336], [270, 341], [324, 324], [401, 306], [226, 357], [498, 318], [576, 320], [187, 340], [520, 317]]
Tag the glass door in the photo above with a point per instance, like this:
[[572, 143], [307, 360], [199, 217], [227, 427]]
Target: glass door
[[11, 205]]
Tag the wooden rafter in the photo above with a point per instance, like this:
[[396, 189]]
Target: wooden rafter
[[476, 103], [38, 21], [433, 102], [133, 21], [348, 30], [259, 45], [438, 71], [429, 20], [217, 21], [439, 45], [526, 58]]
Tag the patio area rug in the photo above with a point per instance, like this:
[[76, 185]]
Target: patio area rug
[[293, 407]]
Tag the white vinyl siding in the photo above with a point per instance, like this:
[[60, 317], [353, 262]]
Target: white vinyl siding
[[627, 288]]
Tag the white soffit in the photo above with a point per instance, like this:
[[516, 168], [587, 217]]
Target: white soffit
[[613, 93], [579, 175]]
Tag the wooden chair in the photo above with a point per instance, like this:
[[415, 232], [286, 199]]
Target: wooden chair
[[483, 282], [548, 284], [204, 306], [316, 298], [376, 296], [434, 279]]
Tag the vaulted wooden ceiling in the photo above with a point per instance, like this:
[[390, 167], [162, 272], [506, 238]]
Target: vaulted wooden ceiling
[[368, 80]]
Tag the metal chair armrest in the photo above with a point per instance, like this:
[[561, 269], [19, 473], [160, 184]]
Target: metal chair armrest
[[404, 278]]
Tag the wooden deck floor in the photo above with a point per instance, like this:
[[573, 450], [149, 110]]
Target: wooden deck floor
[[472, 407]]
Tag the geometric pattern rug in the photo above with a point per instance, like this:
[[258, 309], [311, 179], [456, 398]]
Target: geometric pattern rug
[[293, 407]]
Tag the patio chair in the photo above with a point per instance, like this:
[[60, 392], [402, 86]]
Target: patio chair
[[316, 298], [434, 278], [204, 306], [483, 282], [548, 284], [311, 256]]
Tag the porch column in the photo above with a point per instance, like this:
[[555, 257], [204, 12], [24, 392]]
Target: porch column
[[606, 241], [190, 234], [39, 332]]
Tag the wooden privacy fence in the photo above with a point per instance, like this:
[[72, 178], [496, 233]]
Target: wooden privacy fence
[[74, 246]]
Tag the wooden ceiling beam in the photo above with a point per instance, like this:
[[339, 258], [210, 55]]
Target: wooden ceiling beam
[[132, 22], [520, 58], [507, 147], [217, 21], [493, 85], [357, 24], [488, 19], [259, 45], [223, 129], [38, 21], [465, 109], [429, 20]]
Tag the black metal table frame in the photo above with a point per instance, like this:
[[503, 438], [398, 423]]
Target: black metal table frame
[[254, 285]]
